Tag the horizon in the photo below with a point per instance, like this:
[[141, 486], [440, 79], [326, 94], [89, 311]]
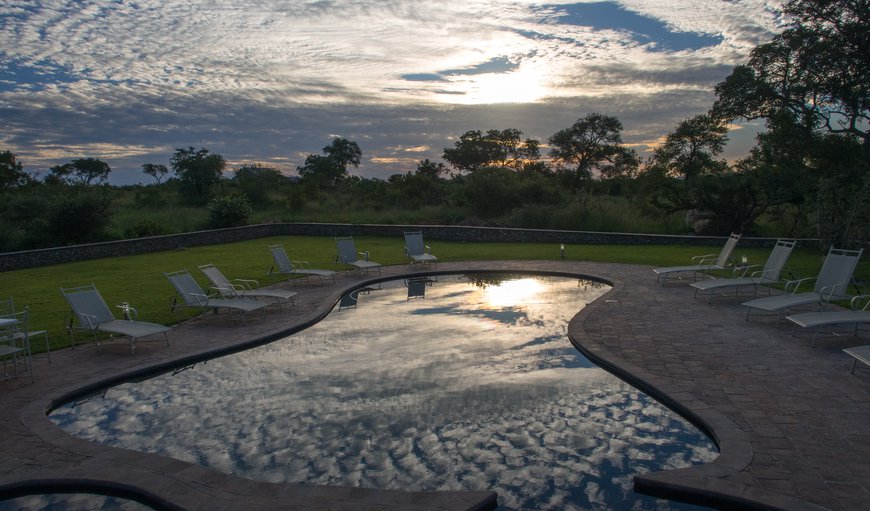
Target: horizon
[[129, 83]]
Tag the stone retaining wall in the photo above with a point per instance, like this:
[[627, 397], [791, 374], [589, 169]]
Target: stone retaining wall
[[58, 255]]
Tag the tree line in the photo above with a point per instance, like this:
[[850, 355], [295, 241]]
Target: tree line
[[807, 174]]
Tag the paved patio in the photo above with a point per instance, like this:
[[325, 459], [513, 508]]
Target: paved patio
[[792, 422]]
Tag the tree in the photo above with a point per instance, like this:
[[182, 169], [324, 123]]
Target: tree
[[593, 143], [431, 169], [343, 152], [83, 171], [256, 181], [691, 149], [157, 171], [818, 69], [321, 170], [331, 167], [198, 171], [12, 173], [475, 150]]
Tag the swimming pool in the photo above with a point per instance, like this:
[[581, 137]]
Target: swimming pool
[[464, 382]]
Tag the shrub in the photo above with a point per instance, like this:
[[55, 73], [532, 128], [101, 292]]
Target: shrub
[[230, 210], [145, 228], [80, 218]]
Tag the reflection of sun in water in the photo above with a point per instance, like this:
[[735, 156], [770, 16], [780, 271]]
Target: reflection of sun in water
[[512, 292]]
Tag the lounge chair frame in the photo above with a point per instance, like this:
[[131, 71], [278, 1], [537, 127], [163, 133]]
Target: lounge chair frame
[[90, 313], [832, 283], [244, 288], [348, 255], [700, 264], [416, 250], [193, 296], [286, 266], [855, 315], [770, 273]]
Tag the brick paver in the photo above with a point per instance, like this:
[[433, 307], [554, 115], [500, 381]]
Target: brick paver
[[792, 423]]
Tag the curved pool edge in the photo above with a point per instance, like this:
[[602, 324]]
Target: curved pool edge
[[703, 484], [181, 485]]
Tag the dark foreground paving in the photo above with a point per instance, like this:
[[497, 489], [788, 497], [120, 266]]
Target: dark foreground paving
[[792, 423]]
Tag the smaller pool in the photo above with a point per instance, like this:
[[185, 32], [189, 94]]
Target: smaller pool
[[464, 382]]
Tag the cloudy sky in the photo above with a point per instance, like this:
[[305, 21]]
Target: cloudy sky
[[271, 81]]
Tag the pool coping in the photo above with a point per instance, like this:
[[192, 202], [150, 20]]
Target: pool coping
[[43, 456]]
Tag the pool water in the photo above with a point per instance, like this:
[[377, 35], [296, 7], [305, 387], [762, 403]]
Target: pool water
[[464, 382]]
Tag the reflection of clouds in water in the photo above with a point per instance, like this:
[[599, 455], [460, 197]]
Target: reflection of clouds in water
[[381, 397], [71, 502]]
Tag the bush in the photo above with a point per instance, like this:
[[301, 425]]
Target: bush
[[230, 210], [145, 228], [80, 218]]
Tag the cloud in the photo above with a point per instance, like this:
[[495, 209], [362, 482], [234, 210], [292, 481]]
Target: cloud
[[268, 80]]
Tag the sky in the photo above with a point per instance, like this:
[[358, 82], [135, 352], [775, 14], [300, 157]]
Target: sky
[[272, 81]]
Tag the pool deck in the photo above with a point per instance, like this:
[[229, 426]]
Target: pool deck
[[793, 424]]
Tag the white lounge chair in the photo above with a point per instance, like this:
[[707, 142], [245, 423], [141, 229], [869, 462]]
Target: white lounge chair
[[91, 314], [192, 295], [860, 354], [302, 268], [832, 283], [701, 263], [348, 255], [244, 288], [816, 320], [416, 250], [768, 274]]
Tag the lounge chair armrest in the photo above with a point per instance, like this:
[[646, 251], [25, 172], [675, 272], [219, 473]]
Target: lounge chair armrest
[[855, 303], [705, 256], [248, 283], [428, 249], [92, 322], [201, 299], [743, 270], [706, 262], [128, 311], [827, 292], [760, 274], [303, 264], [795, 284], [365, 255]]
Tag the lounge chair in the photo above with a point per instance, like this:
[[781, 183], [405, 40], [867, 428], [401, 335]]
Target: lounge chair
[[832, 283], [244, 288], [769, 274], [192, 295], [288, 267], [7, 308], [701, 263], [859, 354], [348, 255], [416, 250], [91, 314], [816, 320]]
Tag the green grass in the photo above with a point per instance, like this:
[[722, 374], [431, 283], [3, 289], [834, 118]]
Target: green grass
[[139, 279]]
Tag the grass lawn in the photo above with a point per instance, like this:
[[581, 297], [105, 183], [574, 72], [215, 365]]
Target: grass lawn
[[139, 279]]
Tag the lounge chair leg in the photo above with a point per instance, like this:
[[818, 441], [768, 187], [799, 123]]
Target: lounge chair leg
[[852, 370]]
